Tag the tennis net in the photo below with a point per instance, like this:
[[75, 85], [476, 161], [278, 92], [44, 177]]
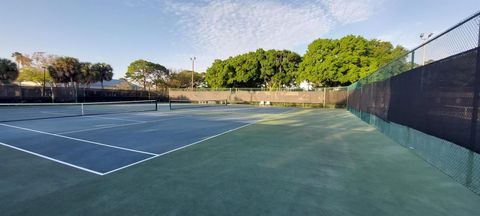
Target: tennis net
[[33, 111], [192, 104]]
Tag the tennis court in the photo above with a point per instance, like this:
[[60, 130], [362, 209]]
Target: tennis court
[[102, 138], [214, 160]]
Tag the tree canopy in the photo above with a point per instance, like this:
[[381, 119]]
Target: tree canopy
[[183, 79], [66, 70], [147, 73], [271, 69], [34, 74], [327, 62], [102, 72], [330, 62], [8, 71]]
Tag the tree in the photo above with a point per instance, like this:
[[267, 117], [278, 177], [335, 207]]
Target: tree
[[141, 71], [278, 68], [159, 75], [88, 74], [65, 70], [34, 74], [103, 72], [272, 69], [8, 71], [183, 79], [22, 60], [41, 59], [215, 75], [341, 62]]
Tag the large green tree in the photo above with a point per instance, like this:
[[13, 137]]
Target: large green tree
[[147, 73], [159, 75], [344, 61], [8, 71], [271, 69], [102, 71], [216, 76], [278, 68], [34, 74]]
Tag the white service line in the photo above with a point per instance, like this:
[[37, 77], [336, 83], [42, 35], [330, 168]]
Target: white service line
[[112, 118], [119, 125], [52, 159], [98, 128], [76, 139], [191, 144]]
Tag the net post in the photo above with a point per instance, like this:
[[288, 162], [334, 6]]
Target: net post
[[83, 112], [170, 104], [156, 105]]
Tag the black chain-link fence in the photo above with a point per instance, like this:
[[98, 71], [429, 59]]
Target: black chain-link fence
[[37, 94], [434, 88], [428, 100]]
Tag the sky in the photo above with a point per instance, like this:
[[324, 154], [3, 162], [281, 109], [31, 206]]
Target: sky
[[170, 32]]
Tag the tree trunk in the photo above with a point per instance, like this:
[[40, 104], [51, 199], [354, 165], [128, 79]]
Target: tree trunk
[[144, 83]]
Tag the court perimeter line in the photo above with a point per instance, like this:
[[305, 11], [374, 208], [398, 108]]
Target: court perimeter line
[[191, 144], [76, 139], [52, 159]]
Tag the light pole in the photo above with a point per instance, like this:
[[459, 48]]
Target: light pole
[[44, 78], [193, 67], [424, 38]]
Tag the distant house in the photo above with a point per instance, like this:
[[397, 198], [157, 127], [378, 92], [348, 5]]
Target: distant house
[[305, 85]]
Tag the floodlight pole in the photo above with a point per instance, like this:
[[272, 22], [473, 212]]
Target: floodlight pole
[[44, 78], [425, 37], [193, 67]]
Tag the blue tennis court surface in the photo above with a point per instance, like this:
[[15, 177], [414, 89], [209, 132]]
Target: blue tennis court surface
[[103, 144]]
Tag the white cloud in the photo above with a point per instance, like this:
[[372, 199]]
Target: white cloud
[[222, 28]]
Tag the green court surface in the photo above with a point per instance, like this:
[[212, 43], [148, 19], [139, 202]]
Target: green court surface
[[304, 162]]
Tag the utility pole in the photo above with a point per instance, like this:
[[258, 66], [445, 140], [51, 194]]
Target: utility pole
[[193, 67], [424, 38]]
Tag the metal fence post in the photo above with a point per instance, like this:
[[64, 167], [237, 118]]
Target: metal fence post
[[413, 60], [324, 97]]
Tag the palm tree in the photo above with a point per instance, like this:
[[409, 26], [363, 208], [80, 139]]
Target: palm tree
[[88, 76], [104, 72], [21, 59]]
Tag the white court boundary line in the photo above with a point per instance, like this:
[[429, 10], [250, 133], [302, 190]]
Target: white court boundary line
[[52, 159], [197, 142], [76, 139]]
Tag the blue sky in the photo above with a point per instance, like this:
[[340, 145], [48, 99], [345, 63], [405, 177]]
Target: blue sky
[[169, 32]]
